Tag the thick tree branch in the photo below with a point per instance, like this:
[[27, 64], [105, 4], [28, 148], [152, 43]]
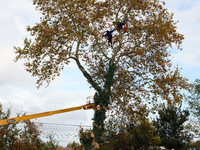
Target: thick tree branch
[[85, 73], [117, 13], [116, 51]]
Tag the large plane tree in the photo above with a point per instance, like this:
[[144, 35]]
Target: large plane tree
[[137, 67]]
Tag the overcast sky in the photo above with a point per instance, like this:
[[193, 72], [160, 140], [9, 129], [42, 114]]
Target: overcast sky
[[18, 88]]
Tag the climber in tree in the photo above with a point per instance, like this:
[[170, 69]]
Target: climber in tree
[[123, 25], [109, 35], [119, 25]]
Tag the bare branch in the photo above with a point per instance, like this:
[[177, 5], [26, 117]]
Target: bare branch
[[104, 54]]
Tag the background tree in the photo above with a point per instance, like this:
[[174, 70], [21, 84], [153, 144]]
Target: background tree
[[129, 128], [170, 127], [193, 98], [11, 137], [74, 145], [138, 66]]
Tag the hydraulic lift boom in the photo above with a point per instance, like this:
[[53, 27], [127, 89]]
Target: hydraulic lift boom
[[48, 113]]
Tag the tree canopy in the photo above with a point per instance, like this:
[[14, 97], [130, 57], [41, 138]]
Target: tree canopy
[[137, 67]]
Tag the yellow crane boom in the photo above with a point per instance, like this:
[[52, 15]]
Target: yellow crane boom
[[43, 114]]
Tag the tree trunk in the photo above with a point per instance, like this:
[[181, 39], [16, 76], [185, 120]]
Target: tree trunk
[[102, 100], [99, 116]]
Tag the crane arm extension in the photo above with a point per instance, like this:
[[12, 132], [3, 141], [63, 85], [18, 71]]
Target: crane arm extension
[[38, 115]]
